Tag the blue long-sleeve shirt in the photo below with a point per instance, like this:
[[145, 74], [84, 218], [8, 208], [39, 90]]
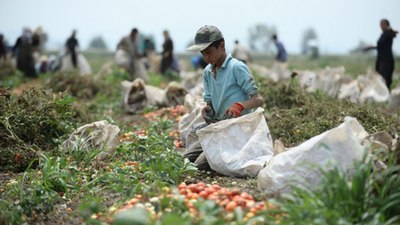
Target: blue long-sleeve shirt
[[232, 83]]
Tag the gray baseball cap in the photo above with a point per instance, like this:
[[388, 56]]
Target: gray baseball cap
[[204, 37]]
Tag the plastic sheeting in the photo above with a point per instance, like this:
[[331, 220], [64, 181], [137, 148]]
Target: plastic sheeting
[[83, 65], [238, 147], [97, 135], [300, 165], [137, 95]]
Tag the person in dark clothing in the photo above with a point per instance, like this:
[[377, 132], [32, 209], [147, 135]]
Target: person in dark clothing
[[23, 50], [281, 55], [385, 61], [167, 53], [3, 52], [71, 45]]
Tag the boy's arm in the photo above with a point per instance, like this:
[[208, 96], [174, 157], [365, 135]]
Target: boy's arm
[[254, 102], [236, 108]]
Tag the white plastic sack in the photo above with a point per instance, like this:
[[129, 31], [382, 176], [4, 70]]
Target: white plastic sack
[[300, 165], [122, 58], [308, 80], [175, 94], [238, 147], [83, 65], [350, 91], [137, 95], [192, 118], [375, 89], [279, 72], [97, 135], [191, 79]]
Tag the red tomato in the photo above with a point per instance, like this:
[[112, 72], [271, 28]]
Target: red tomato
[[183, 191], [230, 206], [182, 185], [203, 194], [192, 187], [246, 196], [209, 190]]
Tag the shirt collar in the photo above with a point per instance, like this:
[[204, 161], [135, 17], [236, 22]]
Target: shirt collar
[[227, 58]]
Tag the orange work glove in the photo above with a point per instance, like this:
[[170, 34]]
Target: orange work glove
[[235, 110]]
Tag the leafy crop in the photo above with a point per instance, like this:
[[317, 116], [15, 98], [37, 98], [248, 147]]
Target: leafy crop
[[32, 122], [79, 86], [295, 116], [364, 197]]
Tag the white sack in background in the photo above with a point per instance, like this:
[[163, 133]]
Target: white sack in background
[[175, 94], [97, 135], [373, 89], [137, 95], [83, 64]]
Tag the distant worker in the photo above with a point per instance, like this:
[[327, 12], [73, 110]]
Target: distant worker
[[129, 57], [3, 52], [281, 56], [42, 38], [385, 60], [23, 50], [241, 53], [148, 53], [71, 45], [167, 57]]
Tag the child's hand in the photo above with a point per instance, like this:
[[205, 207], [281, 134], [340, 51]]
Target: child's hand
[[235, 110], [208, 113]]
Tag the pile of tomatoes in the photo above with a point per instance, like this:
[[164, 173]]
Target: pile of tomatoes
[[171, 113], [227, 199]]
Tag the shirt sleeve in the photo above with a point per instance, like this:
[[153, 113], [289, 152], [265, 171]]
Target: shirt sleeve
[[206, 94], [244, 79]]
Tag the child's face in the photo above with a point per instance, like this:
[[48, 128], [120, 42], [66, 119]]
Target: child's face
[[212, 54]]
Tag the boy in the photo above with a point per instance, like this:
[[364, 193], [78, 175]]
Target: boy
[[229, 89]]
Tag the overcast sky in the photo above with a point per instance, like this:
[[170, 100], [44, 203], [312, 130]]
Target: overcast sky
[[339, 24]]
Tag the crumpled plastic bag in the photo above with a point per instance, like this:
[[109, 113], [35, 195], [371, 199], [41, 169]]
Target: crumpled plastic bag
[[175, 94], [137, 95], [122, 58], [83, 65], [191, 118], [238, 147], [300, 165], [97, 135]]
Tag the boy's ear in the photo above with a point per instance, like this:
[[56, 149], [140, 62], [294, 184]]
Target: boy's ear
[[222, 44]]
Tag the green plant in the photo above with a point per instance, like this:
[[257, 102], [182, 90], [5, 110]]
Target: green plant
[[89, 206], [79, 86], [31, 195], [54, 173], [35, 120], [364, 197]]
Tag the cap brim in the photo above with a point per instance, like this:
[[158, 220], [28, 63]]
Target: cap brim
[[199, 47]]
